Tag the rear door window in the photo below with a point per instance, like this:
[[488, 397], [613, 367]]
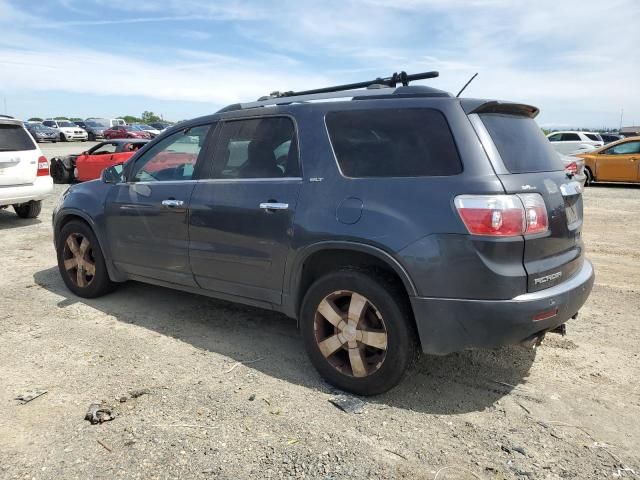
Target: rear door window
[[409, 142], [570, 137], [14, 138], [521, 144], [257, 148]]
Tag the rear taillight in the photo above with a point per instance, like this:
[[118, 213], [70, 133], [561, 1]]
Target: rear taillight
[[43, 167], [503, 215], [535, 213], [571, 169]]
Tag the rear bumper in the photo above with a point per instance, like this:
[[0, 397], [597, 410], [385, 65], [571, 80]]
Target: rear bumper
[[39, 189], [451, 325]]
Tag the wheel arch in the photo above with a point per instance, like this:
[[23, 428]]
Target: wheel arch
[[69, 215], [319, 258]]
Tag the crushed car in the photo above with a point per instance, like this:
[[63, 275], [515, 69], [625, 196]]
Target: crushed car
[[89, 164]]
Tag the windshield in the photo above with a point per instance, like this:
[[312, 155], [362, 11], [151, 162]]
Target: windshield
[[66, 124], [135, 128], [95, 125], [145, 127], [521, 144]]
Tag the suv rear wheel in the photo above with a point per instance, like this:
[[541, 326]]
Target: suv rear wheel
[[81, 262], [357, 331], [28, 210]]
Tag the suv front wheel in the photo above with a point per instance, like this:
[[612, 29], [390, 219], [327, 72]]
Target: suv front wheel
[[81, 262], [357, 331]]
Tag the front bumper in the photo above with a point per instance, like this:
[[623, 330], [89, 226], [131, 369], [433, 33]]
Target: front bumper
[[75, 136], [38, 190], [451, 325], [48, 138]]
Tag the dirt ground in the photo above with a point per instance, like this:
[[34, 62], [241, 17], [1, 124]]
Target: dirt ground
[[231, 394]]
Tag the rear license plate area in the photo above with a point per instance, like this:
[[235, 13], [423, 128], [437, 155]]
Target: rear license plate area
[[572, 214]]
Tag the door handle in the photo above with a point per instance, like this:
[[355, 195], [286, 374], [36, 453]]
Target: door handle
[[274, 206], [172, 203]]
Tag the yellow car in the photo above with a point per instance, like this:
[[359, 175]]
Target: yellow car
[[614, 162]]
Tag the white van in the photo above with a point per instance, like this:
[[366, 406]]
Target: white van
[[107, 122], [24, 171]]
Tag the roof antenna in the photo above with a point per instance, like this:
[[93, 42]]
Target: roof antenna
[[467, 84]]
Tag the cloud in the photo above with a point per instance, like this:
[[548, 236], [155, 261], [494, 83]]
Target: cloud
[[570, 59]]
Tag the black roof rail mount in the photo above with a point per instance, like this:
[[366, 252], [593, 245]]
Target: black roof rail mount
[[391, 81]]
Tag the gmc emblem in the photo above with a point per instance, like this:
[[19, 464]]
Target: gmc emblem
[[547, 278]]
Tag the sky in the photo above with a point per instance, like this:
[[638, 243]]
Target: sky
[[578, 61]]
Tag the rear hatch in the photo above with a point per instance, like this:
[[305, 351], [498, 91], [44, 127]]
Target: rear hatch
[[530, 165], [18, 155]]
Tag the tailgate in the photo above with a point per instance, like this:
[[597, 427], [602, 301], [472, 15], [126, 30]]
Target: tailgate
[[528, 164], [18, 156], [551, 257]]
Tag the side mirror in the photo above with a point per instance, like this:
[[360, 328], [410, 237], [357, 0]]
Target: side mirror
[[112, 174]]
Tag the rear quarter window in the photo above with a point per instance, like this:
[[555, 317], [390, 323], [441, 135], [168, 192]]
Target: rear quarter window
[[15, 138], [521, 144], [393, 143]]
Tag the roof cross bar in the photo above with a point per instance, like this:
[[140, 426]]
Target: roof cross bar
[[391, 81]]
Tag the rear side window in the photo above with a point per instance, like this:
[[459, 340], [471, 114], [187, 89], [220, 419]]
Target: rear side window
[[408, 142], [594, 137], [15, 138], [521, 144]]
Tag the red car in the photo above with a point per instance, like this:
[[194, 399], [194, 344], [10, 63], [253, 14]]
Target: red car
[[89, 165], [125, 131]]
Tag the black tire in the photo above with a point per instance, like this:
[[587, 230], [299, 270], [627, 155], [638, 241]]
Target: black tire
[[28, 210], [83, 140], [95, 285], [587, 172], [92, 137], [386, 304], [59, 172], [62, 137]]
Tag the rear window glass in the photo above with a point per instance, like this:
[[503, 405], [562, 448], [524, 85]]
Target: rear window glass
[[393, 143], [521, 144], [15, 138]]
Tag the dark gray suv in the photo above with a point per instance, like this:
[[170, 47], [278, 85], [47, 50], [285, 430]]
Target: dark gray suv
[[386, 221]]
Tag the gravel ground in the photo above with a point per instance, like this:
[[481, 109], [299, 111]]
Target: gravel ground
[[230, 393]]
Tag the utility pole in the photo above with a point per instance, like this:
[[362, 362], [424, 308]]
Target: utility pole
[[621, 114]]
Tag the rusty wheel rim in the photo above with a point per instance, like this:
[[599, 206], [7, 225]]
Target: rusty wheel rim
[[350, 333], [79, 261]]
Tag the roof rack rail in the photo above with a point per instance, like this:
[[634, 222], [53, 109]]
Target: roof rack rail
[[374, 88], [391, 81]]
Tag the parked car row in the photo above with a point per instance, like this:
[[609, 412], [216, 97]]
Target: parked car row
[[92, 129]]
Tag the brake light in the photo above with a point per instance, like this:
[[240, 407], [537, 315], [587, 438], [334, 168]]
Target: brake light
[[535, 212], [571, 169], [503, 215], [43, 167]]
